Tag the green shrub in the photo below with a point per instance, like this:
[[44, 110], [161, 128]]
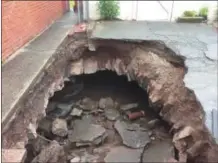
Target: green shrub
[[108, 9], [189, 13], [203, 11]]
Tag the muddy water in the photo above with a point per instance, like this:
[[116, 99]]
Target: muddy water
[[107, 84]]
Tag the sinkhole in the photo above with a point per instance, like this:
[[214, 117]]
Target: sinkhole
[[123, 102]]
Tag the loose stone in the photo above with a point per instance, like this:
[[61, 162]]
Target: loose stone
[[76, 112], [106, 103], [153, 123], [45, 126], [59, 127], [163, 148], [75, 160], [88, 104], [133, 139], [85, 133], [112, 114]]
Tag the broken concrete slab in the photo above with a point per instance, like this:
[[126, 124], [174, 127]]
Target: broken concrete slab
[[123, 154], [135, 127], [100, 139], [111, 114], [159, 151], [59, 127], [103, 30], [132, 139], [85, 133]]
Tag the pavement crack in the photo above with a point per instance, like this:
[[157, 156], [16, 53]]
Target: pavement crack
[[143, 150]]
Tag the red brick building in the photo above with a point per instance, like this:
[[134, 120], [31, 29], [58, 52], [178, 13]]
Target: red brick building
[[23, 20]]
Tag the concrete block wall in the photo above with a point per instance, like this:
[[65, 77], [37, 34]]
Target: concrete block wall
[[23, 20]]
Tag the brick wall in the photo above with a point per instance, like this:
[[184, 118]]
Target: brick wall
[[23, 20]]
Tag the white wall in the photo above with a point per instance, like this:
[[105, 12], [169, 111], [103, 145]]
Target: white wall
[[212, 13], [127, 10], [151, 10], [93, 12]]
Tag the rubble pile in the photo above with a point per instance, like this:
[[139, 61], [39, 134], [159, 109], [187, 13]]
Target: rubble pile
[[83, 129]]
